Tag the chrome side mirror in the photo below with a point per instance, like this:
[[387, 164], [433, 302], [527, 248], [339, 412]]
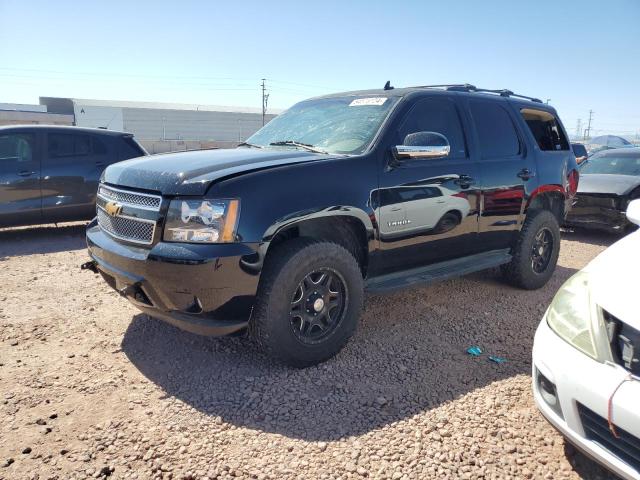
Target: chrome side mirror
[[423, 145], [633, 211]]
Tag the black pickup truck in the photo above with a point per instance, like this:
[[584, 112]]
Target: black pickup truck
[[370, 190]]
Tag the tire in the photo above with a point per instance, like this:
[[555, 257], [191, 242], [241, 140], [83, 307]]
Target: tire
[[285, 321], [448, 222], [525, 269]]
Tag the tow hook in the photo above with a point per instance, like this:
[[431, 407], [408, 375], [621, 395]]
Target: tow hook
[[90, 266]]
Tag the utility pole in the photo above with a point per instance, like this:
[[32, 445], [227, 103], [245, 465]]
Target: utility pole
[[265, 100], [587, 132], [548, 100], [579, 128]]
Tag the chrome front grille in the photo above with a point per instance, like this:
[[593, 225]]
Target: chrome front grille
[[127, 228], [145, 201]]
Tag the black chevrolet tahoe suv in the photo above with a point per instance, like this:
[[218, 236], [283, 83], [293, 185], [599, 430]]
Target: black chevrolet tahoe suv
[[371, 190]]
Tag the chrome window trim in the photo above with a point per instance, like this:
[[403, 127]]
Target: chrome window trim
[[128, 239], [130, 192]]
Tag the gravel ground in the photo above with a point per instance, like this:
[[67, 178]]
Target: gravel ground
[[91, 388]]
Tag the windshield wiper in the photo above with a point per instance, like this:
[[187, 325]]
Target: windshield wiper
[[247, 144], [293, 143]]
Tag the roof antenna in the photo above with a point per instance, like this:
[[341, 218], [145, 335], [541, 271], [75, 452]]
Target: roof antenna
[[387, 86]]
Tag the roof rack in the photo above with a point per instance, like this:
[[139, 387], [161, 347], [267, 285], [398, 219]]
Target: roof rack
[[467, 87]]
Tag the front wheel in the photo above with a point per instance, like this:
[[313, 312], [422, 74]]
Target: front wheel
[[309, 302], [536, 252]]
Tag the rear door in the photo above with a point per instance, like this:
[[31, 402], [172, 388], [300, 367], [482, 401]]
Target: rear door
[[20, 201], [71, 169], [506, 171]]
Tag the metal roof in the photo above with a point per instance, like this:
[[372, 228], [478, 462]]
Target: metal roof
[[86, 102], [63, 128]]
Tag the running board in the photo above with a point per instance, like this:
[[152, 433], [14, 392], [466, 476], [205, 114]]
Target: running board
[[437, 271]]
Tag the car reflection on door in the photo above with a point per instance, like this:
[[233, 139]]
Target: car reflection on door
[[423, 209]]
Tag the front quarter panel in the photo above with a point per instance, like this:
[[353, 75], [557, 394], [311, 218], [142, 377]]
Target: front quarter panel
[[275, 198]]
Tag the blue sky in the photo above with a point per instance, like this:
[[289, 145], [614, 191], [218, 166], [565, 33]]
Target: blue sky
[[581, 54]]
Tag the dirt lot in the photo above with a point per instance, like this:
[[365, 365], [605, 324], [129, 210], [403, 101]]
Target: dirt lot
[[91, 388]]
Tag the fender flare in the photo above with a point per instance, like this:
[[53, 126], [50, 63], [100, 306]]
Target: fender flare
[[279, 225]]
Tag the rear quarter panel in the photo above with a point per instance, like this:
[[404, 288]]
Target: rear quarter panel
[[552, 167]]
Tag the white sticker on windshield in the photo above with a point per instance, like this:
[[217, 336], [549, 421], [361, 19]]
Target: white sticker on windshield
[[359, 102]]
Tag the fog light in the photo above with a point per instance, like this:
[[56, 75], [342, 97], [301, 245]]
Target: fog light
[[548, 392]]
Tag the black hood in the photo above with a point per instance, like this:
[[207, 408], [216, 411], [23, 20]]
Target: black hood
[[191, 173], [607, 183]]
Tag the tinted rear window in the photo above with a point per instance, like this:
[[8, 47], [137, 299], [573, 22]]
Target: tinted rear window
[[496, 132], [130, 148]]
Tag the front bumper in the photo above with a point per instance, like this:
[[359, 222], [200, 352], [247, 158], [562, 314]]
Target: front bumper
[[598, 218], [204, 289], [580, 380]]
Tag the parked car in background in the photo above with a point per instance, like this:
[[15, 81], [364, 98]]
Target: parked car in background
[[379, 190], [580, 151], [609, 180], [50, 173], [607, 142], [586, 357]]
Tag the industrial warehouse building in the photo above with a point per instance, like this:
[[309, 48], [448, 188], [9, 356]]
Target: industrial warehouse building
[[163, 127], [24, 114]]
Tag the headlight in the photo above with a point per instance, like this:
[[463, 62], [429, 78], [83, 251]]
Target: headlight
[[202, 221], [569, 314]]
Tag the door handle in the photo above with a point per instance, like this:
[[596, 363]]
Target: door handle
[[465, 181], [25, 173], [526, 174], [396, 209]]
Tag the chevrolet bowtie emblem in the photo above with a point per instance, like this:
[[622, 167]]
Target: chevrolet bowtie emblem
[[112, 208]]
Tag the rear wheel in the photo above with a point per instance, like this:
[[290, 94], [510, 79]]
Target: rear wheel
[[309, 302], [448, 222], [536, 252]]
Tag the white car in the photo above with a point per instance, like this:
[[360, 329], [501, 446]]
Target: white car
[[421, 209], [586, 357]]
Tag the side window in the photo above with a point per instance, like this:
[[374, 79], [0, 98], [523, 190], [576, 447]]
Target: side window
[[496, 132], [98, 146], [545, 129], [82, 145], [17, 147], [69, 145], [434, 192], [130, 148], [436, 115], [388, 197], [60, 145]]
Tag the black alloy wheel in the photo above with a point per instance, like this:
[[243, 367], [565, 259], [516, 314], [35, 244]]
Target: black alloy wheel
[[318, 305], [535, 253], [309, 301], [541, 250]]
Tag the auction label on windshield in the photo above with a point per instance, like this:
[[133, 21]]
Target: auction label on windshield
[[359, 102]]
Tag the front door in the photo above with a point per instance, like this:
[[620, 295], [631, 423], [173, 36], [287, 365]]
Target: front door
[[20, 201], [427, 209]]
